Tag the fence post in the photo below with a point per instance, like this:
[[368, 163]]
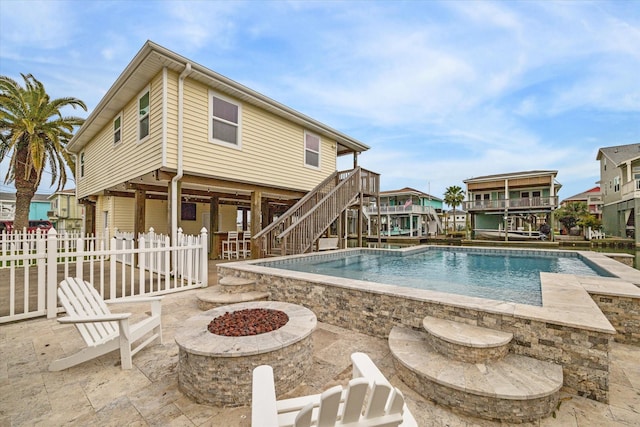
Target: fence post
[[204, 259], [52, 274]]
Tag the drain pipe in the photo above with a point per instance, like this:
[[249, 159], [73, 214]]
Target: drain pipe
[[180, 171]]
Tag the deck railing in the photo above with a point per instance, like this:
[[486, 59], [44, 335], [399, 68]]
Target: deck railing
[[526, 202]]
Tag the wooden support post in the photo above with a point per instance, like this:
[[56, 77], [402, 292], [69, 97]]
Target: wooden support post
[[256, 221], [138, 220], [214, 237]]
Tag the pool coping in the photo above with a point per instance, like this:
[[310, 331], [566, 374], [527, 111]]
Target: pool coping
[[566, 298]]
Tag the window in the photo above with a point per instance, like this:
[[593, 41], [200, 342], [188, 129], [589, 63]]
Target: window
[[117, 129], [81, 164], [311, 150], [225, 121], [143, 115], [616, 184]]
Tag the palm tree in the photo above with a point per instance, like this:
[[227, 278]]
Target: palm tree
[[33, 134], [453, 196]]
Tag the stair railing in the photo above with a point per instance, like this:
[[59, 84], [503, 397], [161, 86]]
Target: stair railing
[[266, 239], [299, 237]]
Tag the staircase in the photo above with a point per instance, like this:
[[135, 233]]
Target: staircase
[[469, 369], [297, 230]]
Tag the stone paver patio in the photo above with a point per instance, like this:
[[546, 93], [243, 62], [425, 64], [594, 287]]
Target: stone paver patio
[[100, 393]]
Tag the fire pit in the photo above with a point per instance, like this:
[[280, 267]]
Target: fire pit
[[216, 368]]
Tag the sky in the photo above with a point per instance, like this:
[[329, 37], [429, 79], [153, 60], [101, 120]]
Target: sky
[[441, 91]]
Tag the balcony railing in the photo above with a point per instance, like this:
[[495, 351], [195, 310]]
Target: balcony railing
[[522, 203], [411, 209], [631, 187]]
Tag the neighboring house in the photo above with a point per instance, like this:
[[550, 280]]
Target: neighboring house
[[175, 144], [65, 213], [520, 202], [460, 219], [592, 198], [37, 209], [405, 212], [620, 186]]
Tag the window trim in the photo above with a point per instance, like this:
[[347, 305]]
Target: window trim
[[319, 152], [140, 95], [118, 116], [238, 125], [81, 164]]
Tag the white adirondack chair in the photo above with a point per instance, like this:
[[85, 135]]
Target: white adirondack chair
[[363, 403], [102, 330]]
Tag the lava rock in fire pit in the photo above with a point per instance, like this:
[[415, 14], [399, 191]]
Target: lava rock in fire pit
[[251, 321]]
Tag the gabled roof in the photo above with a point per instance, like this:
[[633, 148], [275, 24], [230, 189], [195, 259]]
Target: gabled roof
[[152, 58], [620, 153], [584, 195], [512, 175], [408, 191]]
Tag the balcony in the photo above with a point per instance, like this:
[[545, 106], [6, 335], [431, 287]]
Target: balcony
[[631, 189], [527, 203]]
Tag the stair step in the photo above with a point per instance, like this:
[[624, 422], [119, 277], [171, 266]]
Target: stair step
[[466, 343], [216, 298], [515, 389], [233, 284]]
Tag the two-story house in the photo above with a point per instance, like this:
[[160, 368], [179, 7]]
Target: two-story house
[[592, 198], [512, 206], [175, 144], [405, 212], [65, 213], [620, 187]]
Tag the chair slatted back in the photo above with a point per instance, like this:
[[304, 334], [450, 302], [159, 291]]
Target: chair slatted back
[[354, 400], [385, 406], [80, 299]]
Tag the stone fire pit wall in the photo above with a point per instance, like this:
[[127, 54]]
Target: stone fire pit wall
[[217, 370]]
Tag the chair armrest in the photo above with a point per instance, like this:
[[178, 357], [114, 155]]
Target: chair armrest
[[110, 318], [263, 398], [129, 300]]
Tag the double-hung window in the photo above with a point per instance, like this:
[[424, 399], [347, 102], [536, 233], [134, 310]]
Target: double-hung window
[[144, 107], [225, 121], [81, 164], [311, 150], [117, 129]]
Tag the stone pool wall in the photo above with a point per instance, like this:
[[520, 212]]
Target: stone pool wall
[[583, 354], [624, 315]]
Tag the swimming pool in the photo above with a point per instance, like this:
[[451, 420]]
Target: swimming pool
[[506, 275]]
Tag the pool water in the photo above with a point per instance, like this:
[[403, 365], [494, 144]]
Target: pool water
[[501, 275]]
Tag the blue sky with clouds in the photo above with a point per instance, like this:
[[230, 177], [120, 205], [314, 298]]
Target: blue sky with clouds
[[440, 91]]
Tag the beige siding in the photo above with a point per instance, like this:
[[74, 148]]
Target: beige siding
[[156, 216], [123, 213], [227, 217], [107, 165], [272, 151]]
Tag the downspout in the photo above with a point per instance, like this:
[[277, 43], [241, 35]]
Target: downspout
[[164, 116], [180, 171]]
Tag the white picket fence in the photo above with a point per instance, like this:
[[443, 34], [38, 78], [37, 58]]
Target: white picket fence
[[31, 266]]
